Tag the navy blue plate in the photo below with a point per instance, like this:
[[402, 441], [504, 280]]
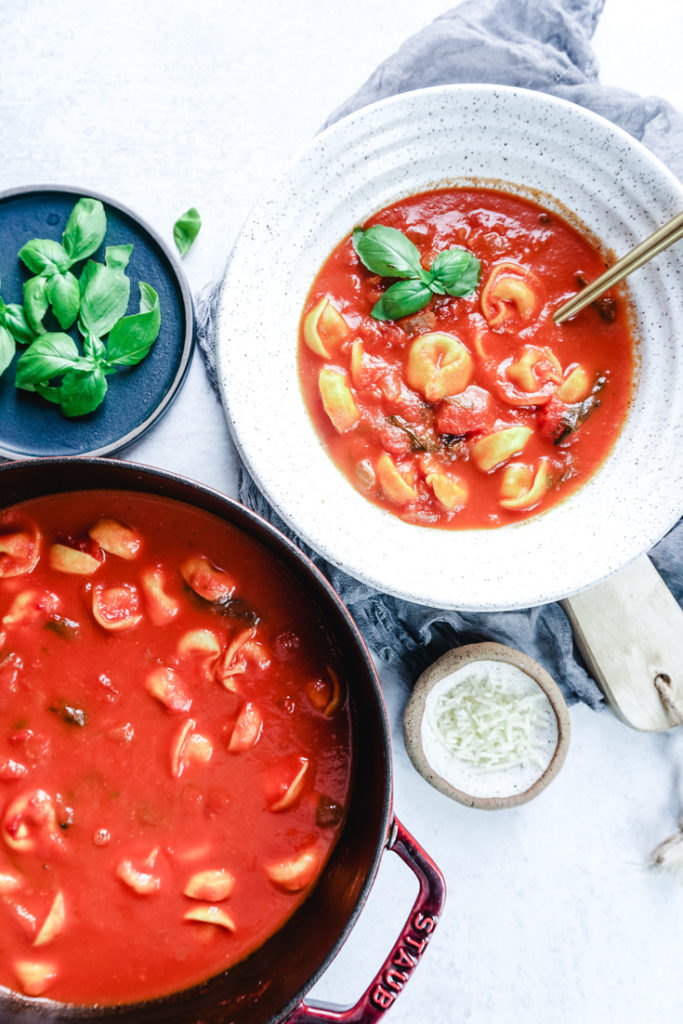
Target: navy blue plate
[[30, 427]]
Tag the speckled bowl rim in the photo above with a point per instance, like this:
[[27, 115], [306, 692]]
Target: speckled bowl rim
[[451, 661], [346, 173]]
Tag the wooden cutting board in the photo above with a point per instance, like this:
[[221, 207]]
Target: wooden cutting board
[[629, 629]]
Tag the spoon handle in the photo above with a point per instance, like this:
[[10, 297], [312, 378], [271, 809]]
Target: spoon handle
[[659, 240]]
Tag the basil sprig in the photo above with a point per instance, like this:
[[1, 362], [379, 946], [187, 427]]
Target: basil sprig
[[186, 229], [387, 252], [54, 284], [13, 328], [83, 382], [54, 366]]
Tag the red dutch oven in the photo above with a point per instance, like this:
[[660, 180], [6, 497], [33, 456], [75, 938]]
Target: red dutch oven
[[270, 985]]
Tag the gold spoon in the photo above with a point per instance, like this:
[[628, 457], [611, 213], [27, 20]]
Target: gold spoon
[[661, 239]]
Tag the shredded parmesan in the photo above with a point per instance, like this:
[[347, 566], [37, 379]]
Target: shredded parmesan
[[485, 725], [489, 720]]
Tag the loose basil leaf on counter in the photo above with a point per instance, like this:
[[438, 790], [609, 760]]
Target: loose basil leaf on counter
[[48, 356], [402, 299], [117, 256], [64, 296], [36, 302], [44, 256], [14, 319], [85, 229], [186, 229], [387, 252], [132, 337], [456, 271], [104, 297], [8, 347], [82, 390]]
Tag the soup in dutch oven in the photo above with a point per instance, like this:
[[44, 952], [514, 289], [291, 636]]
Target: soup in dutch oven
[[174, 746]]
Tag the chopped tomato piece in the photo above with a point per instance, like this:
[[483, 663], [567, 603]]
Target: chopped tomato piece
[[466, 413], [552, 418]]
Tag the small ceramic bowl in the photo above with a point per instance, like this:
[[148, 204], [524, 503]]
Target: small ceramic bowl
[[431, 758], [534, 146]]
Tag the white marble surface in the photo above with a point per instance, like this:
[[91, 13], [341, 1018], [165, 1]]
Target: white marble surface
[[552, 914]]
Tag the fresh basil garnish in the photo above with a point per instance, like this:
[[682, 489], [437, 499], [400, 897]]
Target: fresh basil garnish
[[118, 256], [13, 318], [402, 299], [44, 256], [387, 252], [47, 357], [186, 229], [85, 229], [63, 294], [132, 337], [8, 347], [53, 365], [456, 271], [82, 390], [94, 348], [104, 297]]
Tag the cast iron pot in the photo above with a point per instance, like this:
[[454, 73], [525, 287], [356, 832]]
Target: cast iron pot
[[269, 986]]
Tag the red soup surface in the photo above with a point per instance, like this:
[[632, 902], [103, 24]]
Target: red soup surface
[[174, 746], [475, 411]]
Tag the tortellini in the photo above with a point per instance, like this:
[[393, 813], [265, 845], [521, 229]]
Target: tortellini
[[438, 365], [512, 293], [116, 539], [449, 489], [294, 873], [324, 328], [337, 399], [576, 385], [395, 486], [495, 449], [521, 489]]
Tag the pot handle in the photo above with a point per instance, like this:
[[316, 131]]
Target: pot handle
[[407, 951]]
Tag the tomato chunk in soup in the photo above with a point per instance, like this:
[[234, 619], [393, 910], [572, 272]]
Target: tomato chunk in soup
[[174, 747], [475, 411]]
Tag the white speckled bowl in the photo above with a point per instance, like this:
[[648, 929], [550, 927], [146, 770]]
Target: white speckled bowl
[[430, 138]]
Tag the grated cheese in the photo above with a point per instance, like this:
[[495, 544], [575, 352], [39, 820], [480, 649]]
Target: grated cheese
[[489, 729]]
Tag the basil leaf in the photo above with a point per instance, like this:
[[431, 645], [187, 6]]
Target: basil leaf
[[455, 272], [132, 337], [14, 319], [387, 252], [65, 298], [186, 229], [82, 390], [36, 302], [104, 297], [117, 256], [401, 299], [44, 256], [94, 348], [49, 392], [7, 348], [85, 229], [48, 356]]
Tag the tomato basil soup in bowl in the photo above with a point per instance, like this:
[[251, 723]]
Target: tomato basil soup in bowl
[[399, 389], [195, 772]]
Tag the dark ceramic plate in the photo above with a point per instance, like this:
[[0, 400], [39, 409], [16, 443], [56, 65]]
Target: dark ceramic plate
[[137, 396]]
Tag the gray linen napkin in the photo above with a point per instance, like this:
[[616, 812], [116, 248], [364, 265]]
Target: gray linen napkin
[[534, 44]]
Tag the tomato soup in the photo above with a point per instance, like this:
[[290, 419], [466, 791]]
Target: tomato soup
[[477, 410], [174, 746]]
